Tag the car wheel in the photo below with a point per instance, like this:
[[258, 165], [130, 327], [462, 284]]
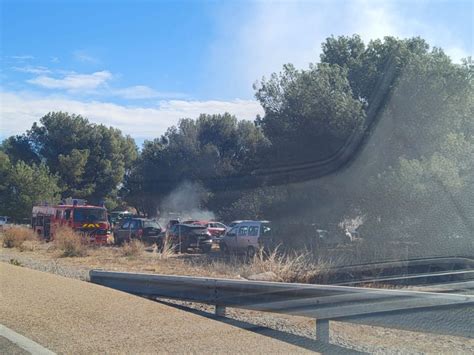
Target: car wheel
[[250, 253], [224, 248], [206, 248]]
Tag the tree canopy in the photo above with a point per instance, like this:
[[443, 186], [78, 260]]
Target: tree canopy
[[23, 185], [90, 160]]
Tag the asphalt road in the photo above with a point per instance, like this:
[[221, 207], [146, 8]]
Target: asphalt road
[[71, 316]]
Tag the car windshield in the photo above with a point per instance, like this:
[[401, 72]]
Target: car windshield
[[151, 224], [89, 215]]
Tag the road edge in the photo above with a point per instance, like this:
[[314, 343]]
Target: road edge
[[24, 342]]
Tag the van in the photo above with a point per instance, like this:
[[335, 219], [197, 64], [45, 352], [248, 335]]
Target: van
[[246, 237]]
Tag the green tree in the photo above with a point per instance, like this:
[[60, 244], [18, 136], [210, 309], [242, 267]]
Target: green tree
[[23, 186], [414, 176], [90, 160], [19, 148], [210, 150], [308, 113]]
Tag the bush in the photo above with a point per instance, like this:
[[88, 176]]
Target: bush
[[69, 242], [15, 262], [133, 249], [28, 245], [14, 237]]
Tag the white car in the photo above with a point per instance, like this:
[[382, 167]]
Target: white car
[[245, 237]]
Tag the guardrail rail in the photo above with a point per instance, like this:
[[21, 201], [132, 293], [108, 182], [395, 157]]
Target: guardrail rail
[[440, 313]]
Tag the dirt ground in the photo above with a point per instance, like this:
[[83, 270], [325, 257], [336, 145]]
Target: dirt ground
[[112, 258]]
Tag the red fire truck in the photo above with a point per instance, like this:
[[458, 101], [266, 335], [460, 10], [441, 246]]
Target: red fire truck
[[90, 221]]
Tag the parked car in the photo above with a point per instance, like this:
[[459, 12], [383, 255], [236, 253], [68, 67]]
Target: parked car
[[171, 223], [146, 230], [116, 217], [247, 237], [185, 236], [215, 228]]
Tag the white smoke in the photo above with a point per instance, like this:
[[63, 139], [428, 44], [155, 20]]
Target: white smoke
[[186, 202]]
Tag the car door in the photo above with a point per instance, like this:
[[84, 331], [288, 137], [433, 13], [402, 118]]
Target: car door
[[172, 233], [120, 232], [230, 238], [243, 237], [253, 234], [131, 231], [151, 231]]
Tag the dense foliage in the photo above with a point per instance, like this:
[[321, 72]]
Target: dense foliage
[[90, 160], [23, 185]]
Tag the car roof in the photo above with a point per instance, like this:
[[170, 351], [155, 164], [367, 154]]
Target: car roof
[[140, 219], [207, 222], [190, 225], [251, 222]]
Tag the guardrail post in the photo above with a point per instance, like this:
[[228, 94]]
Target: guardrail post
[[322, 330], [220, 311]]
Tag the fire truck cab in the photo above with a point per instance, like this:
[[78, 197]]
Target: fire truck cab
[[91, 221]]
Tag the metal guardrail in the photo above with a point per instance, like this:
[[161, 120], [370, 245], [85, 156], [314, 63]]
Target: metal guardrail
[[431, 277], [439, 313]]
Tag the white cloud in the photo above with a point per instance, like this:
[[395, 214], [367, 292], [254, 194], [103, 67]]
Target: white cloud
[[373, 20], [271, 34], [73, 81], [84, 57], [144, 92], [18, 111], [257, 41], [31, 69], [54, 59], [457, 53], [22, 57], [92, 84]]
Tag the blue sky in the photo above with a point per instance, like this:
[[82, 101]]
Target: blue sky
[[142, 65]]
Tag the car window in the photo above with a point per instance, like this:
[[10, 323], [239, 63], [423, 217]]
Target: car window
[[243, 231], [233, 231], [126, 225], [253, 231], [151, 224]]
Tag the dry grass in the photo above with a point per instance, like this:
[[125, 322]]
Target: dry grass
[[165, 251], [29, 245], [133, 249], [16, 237], [69, 242], [299, 267]]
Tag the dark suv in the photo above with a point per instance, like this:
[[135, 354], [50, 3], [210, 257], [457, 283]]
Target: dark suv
[[185, 236], [146, 230]]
